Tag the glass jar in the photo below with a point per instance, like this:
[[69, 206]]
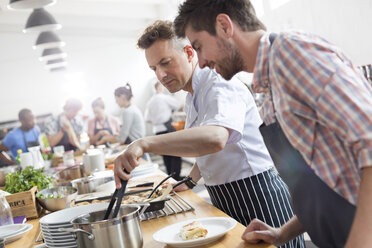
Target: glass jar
[[6, 217]]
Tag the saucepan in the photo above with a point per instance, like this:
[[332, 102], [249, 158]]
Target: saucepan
[[92, 231]]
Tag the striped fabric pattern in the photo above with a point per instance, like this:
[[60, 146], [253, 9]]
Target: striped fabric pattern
[[323, 104], [263, 196]]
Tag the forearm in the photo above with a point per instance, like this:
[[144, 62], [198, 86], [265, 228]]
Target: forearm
[[5, 159], [360, 234], [56, 138], [94, 139], [291, 230], [193, 142]]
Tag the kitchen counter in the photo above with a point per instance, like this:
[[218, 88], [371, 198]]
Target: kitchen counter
[[202, 209]]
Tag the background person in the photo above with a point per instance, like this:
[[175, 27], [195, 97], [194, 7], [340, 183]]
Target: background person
[[159, 111], [27, 135], [222, 133], [318, 117], [102, 128], [66, 127], [133, 124]]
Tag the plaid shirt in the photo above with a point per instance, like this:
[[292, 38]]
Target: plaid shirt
[[323, 104]]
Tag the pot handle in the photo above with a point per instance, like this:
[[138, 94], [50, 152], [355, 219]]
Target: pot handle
[[74, 231], [144, 206]]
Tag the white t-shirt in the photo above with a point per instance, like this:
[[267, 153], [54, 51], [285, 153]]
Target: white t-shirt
[[133, 124], [159, 110], [217, 102]]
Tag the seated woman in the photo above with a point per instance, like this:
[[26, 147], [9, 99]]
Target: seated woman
[[102, 128], [133, 124]]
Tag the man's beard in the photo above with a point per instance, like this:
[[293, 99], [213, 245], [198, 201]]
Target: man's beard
[[232, 63]]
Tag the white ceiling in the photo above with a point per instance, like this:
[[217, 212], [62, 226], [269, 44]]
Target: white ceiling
[[92, 19]]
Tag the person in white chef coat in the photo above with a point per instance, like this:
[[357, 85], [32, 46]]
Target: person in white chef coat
[[221, 132], [159, 111]]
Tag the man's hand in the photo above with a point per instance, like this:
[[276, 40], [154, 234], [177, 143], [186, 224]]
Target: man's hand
[[258, 231], [128, 160]]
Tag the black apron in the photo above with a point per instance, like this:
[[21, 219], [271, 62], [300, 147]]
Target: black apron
[[65, 141], [325, 215], [96, 130], [30, 143]]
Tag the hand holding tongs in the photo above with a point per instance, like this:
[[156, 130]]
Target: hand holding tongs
[[120, 194]]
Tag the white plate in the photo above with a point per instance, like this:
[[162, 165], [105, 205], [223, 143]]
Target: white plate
[[17, 234], [11, 229], [68, 214], [216, 226]]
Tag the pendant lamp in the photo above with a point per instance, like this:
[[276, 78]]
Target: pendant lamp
[[54, 63], [48, 39], [29, 4], [40, 20], [58, 69], [52, 53]]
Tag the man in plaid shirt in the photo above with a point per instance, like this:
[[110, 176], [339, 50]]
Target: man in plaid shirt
[[318, 116]]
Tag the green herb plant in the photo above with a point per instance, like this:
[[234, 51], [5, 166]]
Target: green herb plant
[[22, 181]]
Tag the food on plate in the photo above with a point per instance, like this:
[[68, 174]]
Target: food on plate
[[193, 230], [131, 199]]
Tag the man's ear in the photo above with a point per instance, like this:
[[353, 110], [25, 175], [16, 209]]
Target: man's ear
[[189, 52], [224, 26]]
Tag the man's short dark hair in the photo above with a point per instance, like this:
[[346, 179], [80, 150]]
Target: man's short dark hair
[[201, 15], [23, 113], [159, 30]]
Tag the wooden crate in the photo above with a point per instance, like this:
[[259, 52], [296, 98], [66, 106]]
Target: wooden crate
[[24, 203]]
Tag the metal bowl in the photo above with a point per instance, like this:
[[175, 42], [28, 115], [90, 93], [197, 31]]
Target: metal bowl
[[54, 204], [5, 170]]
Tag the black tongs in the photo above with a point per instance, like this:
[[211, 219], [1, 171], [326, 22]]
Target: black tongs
[[161, 182], [186, 179], [120, 194]]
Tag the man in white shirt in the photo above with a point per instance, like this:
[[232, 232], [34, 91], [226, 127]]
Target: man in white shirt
[[159, 112], [221, 132]]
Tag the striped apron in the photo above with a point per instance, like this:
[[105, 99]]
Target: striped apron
[[263, 196]]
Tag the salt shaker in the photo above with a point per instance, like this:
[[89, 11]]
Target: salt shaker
[[6, 217]]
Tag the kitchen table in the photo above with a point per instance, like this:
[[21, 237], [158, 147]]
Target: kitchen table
[[202, 209]]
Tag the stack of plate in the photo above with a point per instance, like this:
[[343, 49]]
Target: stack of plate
[[50, 224], [10, 233]]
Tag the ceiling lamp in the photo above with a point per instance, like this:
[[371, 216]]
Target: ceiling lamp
[[40, 20], [54, 63], [52, 53], [29, 4], [48, 39], [58, 69]]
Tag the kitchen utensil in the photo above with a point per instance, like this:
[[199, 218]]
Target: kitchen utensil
[[38, 161], [89, 184], [94, 160], [182, 181], [5, 170], [15, 234], [161, 182], [93, 231], [142, 185], [119, 194], [55, 204]]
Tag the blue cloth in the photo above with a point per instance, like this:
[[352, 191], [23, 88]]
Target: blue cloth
[[15, 140]]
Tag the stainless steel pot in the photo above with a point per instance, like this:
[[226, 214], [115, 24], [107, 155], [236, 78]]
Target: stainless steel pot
[[91, 231], [89, 184], [6, 170]]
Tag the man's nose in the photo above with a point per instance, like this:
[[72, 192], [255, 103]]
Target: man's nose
[[202, 62], [160, 73]]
